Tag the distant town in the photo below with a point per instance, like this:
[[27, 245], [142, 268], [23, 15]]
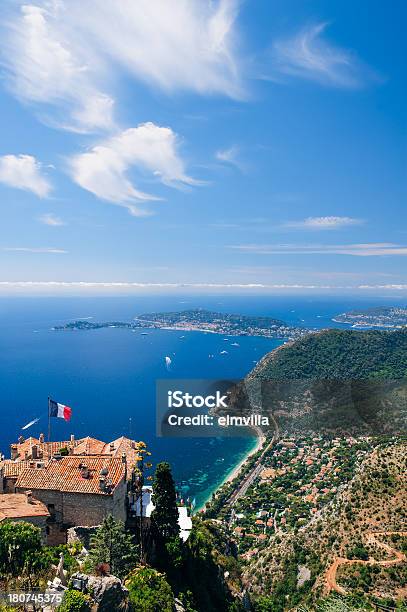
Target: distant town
[[199, 320], [391, 317]]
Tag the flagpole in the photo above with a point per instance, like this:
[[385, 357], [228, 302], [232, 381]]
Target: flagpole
[[49, 422]]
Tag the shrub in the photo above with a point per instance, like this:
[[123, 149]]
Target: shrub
[[149, 591], [75, 601]]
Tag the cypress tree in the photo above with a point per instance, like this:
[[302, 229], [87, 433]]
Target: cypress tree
[[165, 514]]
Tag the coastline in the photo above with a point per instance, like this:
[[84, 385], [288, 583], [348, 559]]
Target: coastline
[[235, 471]]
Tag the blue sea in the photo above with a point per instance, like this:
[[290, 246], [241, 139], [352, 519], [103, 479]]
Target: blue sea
[[108, 376]]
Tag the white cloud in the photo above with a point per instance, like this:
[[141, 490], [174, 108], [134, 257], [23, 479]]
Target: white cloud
[[34, 250], [58, 53], [359, 250], [43, 65], [148, 147], [24, 172], [57, 286], [51, 219], [230, 156], [323, 223], [307, 55]]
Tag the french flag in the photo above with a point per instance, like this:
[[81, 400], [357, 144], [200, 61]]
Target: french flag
[[59, 410]]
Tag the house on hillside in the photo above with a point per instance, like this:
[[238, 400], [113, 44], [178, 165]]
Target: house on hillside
[[24, 507], [36, 449], [77, 490]]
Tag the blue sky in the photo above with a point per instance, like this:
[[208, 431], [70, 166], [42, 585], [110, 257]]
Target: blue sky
[[246, 146]]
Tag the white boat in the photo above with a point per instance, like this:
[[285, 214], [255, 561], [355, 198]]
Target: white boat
[[168, 362], [223, 352]]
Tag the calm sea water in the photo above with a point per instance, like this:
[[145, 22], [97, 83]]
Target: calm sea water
[[108, 376]]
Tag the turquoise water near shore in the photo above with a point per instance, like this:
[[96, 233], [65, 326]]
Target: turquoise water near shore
[[108, 376]]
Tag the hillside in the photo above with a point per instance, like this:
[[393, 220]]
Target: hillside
[[338, 381], [355, 545], [339, 354]]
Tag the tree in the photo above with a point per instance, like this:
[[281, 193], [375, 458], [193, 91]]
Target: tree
[[111, 544], [20, 545], [165, 514], [75, 601], [149, 591]]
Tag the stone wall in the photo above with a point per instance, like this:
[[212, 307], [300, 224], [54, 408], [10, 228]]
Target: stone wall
[[71, 509], [86, 509], [81, 534]]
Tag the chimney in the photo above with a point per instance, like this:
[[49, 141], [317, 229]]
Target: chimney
[[124, 461], [102, 482], [21, 439], [72, 438], [84, 470], [41, 438], [34, 451], [111, 445], [14, 451], [1, 479], [29, 497]]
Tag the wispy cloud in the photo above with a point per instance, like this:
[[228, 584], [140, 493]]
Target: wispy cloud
[[56, 53], [148, 147], [230, 156], [56, 286], [34, 250], [24, 172], [323, 223], [45, 66], [51, 219], [358, 250], [307, 55]]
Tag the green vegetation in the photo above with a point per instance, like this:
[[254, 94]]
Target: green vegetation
[[113, 546], [149, 591], [165, 514], [340, 354], [75, 601], [21, 552]]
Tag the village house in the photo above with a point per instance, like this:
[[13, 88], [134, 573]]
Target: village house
[[77, 490], [24, 507], [36, 449]]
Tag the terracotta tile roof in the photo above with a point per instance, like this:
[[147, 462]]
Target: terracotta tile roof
[[15, 505], [89, 446], [44, 449], [65, 474], [80, 446], [14, 468], [123, 445]]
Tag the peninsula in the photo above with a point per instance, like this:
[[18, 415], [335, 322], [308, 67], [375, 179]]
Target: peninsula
[[391, 317], [199, 320]]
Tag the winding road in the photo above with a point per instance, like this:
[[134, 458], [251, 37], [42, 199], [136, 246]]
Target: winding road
[[371, 538]]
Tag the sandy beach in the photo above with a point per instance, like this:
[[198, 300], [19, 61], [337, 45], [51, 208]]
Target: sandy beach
[[234, 473]]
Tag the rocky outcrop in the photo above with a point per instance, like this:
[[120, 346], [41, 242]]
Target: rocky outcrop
[[81, 534], [108, 592]]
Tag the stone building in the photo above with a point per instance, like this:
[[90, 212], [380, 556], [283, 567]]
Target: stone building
[[77, 490], [24, 507], [10, 471], [36, 449]]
